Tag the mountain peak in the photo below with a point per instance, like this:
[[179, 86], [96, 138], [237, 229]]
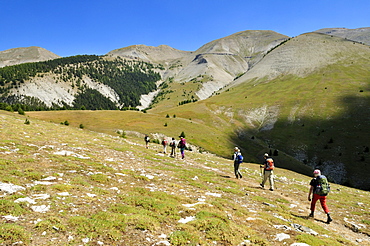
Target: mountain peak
[[25, 54]]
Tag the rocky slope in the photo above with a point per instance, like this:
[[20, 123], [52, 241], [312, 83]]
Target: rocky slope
[[23, 55], [361, 35], [303, 55], [222, 60]]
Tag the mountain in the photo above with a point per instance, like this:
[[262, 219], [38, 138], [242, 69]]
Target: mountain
[[63, 185], [361, 35], [23, 55], [218, 62], [306, 97], [304, 55]]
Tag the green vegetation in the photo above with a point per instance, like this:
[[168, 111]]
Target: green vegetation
[[129, 79], [102, 192]]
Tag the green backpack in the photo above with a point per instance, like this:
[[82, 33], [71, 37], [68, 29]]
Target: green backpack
[[323, 186]]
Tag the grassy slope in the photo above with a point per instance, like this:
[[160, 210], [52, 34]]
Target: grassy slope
[[130, 207], [322, 118], [326, 105]]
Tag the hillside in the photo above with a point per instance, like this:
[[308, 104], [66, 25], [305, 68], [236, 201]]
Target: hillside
[[23, 55], [77, 82], [308, 97], [212, 66], [67, 186], [361, 35]]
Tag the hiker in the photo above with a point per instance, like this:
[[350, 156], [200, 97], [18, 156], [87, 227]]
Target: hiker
[[173, 147], [320, 188], [237, 158], [147, 140], [164, 144], [268, 173], [182, 146]]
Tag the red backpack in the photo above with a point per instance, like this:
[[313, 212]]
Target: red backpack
[[269, 164]]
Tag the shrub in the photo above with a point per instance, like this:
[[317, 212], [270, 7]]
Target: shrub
[[20, 111]]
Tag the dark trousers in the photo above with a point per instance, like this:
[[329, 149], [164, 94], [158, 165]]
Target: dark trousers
[[236, 170]]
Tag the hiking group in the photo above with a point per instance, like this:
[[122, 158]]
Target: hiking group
[[181, 144], [319, 185]]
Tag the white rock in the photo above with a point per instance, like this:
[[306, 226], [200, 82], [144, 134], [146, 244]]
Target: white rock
[[300, 244], [213, 194], [192, 205], [63, 194], [250, 218], [10, 188], [43, 183], [41, 196], [86, 240], [187, 219], [148, 176], [10, 218], [283, 227], [25, 199], [120, 174], [41, 209], [163, 243], [50, 178], [281, 236]]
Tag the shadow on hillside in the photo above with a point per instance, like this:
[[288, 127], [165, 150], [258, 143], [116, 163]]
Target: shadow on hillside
[[336, 143], [306, 217]]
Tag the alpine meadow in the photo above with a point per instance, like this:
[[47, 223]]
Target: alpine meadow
[[75, 169]]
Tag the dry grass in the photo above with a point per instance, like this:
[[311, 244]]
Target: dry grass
[[112, 191]]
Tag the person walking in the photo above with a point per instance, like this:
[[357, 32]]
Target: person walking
[[147, 140], [268, 173], [237, 158], [173, 147], [182, 146], [319, 188], [164, 144]]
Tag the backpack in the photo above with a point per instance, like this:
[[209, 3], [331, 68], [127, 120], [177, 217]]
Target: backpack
[[269, 164], [182, 143], [164, 142], [239, 158], [323, 186]]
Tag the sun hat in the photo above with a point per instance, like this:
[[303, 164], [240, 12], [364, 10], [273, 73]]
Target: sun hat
[[317, 172]]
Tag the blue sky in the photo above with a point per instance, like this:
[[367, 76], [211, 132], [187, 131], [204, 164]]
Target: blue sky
[[73, 27]]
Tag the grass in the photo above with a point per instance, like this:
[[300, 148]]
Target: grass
[[110, 201]]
